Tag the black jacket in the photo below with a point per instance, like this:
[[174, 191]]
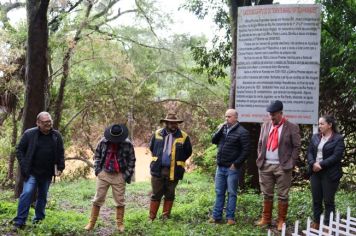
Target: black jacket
[[333, 152], [181, 151], [27, 147], [233, 147]]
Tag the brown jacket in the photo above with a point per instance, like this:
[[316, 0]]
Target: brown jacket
[[288, 145]]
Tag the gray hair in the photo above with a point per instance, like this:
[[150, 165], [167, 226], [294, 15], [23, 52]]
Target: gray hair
[[234, 110], [44, 113]]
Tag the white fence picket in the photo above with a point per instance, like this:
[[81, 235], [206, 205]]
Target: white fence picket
[[337, 226]]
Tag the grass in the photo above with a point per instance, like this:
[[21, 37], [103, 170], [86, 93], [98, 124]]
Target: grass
[[69, 205]]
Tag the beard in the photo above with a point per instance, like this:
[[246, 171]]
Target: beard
[[171, 130]]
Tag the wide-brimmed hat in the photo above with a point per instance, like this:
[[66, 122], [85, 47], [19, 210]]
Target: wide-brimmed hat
[[171, 117], [116, 133], [275, 106]]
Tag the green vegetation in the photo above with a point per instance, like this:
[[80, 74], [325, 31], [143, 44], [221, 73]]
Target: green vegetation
[[130, 74], [69, 207]]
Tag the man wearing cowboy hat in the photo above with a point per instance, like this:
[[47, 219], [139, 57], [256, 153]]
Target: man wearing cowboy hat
[[114, 164], [170, 148]]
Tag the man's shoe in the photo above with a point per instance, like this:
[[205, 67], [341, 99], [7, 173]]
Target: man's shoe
[[36, 222], [167, 207], [154, 205], [214, 221], [282, 214], [231, 222], [315, 226], [17, 227], [266, 218]]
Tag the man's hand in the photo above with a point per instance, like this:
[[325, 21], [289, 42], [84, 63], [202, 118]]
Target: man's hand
[[232, 167], [317, 167]]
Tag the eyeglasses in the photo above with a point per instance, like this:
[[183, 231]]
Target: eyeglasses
[[45, 121]]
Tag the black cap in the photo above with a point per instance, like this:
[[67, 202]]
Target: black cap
[[275, 106], [116, 133]]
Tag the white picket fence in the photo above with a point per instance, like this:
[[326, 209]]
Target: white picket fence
[[337, 226]]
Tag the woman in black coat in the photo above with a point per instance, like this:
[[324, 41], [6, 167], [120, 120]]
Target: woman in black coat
[[325, 152]]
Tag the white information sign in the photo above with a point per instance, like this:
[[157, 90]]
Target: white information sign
[[278, 58]]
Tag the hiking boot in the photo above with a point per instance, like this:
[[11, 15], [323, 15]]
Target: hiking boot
[[214, 221], [282, 214], [231, 222], [120, 218], [167, 207], [154, 205], [93, 217], [266, 218]]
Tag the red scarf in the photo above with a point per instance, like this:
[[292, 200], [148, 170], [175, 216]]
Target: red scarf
[[111, 164], [272, 142]]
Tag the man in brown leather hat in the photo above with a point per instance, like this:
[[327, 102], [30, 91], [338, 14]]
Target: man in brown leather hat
[[170, 148]]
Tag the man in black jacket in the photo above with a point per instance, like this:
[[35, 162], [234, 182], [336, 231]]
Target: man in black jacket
[[233, 145], [41, 155]]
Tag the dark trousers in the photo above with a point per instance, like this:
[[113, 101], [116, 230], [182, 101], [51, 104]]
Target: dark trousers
[[29, 187], [162, 186], [323, 189]]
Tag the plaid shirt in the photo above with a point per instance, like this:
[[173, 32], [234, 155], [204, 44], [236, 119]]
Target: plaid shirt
[[125, 157]]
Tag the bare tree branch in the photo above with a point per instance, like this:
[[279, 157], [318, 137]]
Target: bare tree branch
[[73, 117], [120, 14], [146, 17], [10, 6], [80, 159], [105, 10], [186, 77], [122, 39], [72, 7], [87, 136], [182, 101], [5, 8]]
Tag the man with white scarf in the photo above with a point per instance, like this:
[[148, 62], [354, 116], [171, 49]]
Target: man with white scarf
[[170, 148]]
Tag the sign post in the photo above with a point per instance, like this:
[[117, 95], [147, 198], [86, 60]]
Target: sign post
[[278, 58]]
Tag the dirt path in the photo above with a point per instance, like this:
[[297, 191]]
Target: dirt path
[[143, 160]]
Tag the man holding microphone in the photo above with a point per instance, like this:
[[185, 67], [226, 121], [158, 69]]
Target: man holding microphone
[[233, 146]]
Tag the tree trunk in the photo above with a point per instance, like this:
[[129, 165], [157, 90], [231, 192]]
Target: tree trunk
[[36, 68], [251, 168], [253, 128], [10, 171], [233, 5], [59, 101], [66, 67]]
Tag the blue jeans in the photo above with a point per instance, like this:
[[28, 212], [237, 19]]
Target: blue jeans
[[226, 179], [25, 199]]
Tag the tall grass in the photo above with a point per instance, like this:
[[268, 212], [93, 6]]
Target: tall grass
[[69, 205]]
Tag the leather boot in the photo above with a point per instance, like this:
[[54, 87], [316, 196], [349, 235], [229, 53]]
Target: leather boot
[[167, 207], [282, 214], [154, 205], [266, 218], [93, 217], [120, 210], [315, 226]]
